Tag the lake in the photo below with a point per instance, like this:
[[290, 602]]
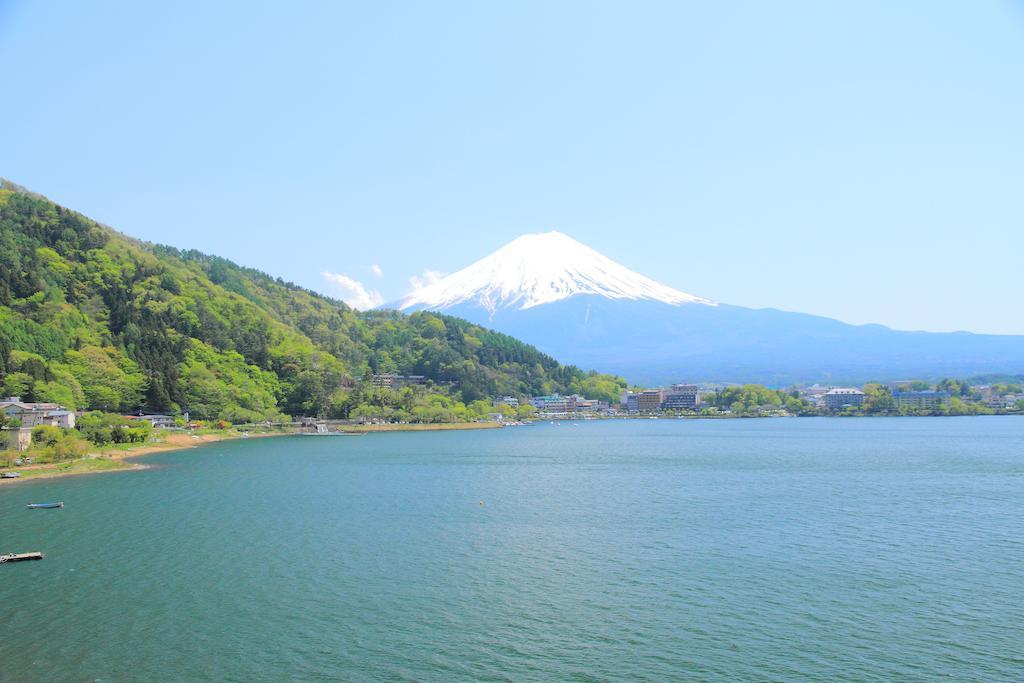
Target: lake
[[771, 549]]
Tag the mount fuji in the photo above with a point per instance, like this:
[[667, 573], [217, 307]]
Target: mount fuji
[[582, 307]]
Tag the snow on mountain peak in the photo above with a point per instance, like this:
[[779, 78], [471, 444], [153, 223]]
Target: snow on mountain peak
[[538, 269]]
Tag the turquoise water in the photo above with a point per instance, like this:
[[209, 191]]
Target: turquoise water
[[808, 549]]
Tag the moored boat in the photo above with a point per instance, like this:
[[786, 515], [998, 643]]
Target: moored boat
[[20, 557], [45, 506], [9, 475]]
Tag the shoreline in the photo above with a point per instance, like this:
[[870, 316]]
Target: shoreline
[[119, 459], [179, 442]]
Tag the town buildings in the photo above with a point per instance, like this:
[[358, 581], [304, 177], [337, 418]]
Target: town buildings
[[1012, 401], [390, 380], [550, 404], [30, 415], [18, 439], [158, 421], [920, 400], [841, 398], [676, 397], [997, 398], [35, 414], [814, 394], [650, 400], [680, 397], [574, 404], [588, 405]]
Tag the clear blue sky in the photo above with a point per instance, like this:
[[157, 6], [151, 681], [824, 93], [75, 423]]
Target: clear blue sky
[[860, 160]]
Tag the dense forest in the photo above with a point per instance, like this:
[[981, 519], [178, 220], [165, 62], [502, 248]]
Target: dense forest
[[92, 319]]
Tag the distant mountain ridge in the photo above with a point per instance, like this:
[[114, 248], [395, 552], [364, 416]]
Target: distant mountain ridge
[[583, 308]]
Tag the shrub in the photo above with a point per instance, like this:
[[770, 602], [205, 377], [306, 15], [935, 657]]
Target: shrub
[[46, 435]]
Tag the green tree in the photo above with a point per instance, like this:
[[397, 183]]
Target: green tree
[[109, 379], [526, 412], [18, 384], [877, 399]]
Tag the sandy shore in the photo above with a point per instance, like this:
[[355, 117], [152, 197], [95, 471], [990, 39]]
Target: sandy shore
[[118, 459], [178, 441]]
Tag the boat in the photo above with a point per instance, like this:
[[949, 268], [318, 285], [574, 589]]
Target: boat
[[20, 557], [45, 506], [9, 475]]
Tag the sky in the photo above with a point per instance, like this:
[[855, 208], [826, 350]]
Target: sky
[[858, 160]]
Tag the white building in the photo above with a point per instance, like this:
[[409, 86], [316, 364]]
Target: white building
[[35, 414], [159, 421]]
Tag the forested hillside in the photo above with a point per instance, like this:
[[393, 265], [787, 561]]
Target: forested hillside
[[92, 319]]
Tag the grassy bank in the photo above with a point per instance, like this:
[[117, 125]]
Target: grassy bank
[[87, 465]]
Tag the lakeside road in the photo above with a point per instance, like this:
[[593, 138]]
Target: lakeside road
[[418, 427], [119, 459]]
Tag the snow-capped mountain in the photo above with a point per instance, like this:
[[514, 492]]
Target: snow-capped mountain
[[584, 308], [533, 270]]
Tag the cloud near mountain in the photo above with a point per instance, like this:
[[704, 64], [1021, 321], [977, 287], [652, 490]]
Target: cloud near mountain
[[425, 279], [353, 292]]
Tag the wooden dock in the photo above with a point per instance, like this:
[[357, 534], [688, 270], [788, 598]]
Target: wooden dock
[[20, 557]]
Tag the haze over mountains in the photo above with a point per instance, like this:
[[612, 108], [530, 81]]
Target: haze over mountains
[[584, 308]]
